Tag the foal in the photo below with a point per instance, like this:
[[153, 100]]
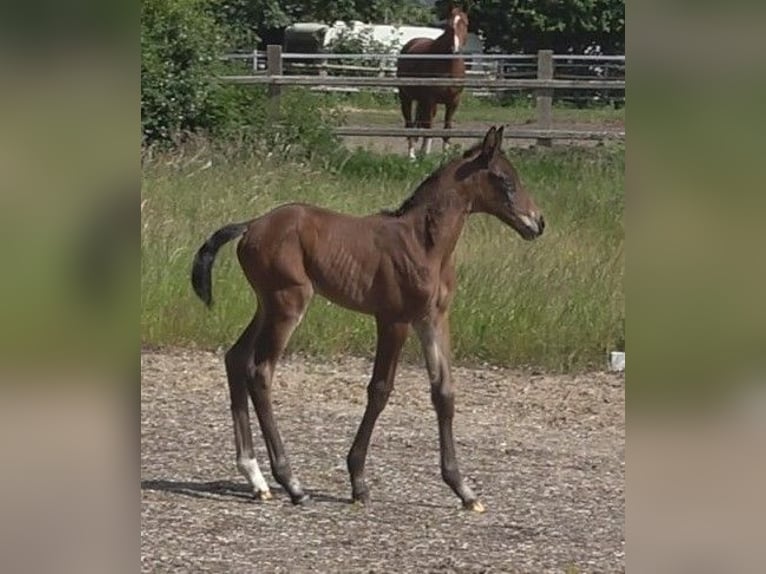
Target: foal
[[397, 266]]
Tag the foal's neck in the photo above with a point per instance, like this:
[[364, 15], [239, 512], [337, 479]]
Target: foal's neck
[[440, 221]]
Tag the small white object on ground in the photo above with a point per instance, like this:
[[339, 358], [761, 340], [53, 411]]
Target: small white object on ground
[[617, 361]]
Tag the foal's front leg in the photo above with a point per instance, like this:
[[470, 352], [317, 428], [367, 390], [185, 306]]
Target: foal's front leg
[[434, 337]]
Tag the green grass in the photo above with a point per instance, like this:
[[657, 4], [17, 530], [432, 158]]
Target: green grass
[[556, 303]]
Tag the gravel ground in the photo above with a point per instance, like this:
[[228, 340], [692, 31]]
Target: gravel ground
[[545, 454]]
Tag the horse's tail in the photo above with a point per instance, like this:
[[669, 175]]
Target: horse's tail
[[202, 267]]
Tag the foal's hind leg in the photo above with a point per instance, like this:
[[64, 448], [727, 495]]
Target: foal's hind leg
[[391, 337], [237, 360], [283, 312]]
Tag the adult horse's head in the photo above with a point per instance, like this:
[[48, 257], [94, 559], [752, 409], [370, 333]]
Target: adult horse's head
[[498, 190], [457, 24]]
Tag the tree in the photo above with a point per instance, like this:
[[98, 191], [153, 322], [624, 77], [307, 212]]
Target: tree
[[564, 26]]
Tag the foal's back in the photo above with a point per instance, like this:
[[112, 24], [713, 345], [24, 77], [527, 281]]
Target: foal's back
[[361, 263]]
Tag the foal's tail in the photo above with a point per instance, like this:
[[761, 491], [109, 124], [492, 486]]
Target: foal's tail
[[203, 262]]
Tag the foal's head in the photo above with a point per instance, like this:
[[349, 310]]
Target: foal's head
[[457, 23], [496, 188]]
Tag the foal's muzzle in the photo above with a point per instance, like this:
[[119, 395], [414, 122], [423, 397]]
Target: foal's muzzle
[[533, 225]]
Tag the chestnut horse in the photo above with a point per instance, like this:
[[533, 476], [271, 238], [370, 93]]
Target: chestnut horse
[[427, 97], [395, 265]]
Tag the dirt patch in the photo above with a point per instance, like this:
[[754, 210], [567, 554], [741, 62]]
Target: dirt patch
[[545, 454]]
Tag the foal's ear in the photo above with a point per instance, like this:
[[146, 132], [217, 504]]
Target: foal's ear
[[499, 137], [491, 143]]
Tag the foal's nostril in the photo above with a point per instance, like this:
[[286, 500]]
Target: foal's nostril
[[541, 224]]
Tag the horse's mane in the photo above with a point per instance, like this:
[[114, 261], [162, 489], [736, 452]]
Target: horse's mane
[[424, 192]]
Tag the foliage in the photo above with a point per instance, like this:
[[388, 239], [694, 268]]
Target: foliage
[[302, 134], [564, 26], [254, 20], [249, 21], [180, 45], [349, 41]]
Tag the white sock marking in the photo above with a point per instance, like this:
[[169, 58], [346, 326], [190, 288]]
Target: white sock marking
[[252, 472]]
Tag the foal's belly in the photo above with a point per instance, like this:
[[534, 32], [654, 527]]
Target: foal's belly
[[342, 279], [372, 265], [362, 279]]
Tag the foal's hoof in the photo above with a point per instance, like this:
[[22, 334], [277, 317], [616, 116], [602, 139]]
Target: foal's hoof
[[263, 495], [474, 506], [360, 499], [300, 499]]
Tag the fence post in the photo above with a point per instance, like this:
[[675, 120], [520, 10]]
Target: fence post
[[545, 96], [255, 61], [274, 68]]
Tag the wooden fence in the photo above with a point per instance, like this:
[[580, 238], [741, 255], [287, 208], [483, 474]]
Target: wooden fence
[[544, 86]]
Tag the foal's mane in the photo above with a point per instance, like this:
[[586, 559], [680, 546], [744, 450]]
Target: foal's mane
[[428, 190]]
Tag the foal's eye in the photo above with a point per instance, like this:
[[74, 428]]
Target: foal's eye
[[504, 183]]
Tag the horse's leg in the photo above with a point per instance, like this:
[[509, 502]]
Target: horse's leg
[[449, 111], [434, 337], [428, 114], [391, 337], [406, 103], [283, 312], [237, 361], [420, 118]]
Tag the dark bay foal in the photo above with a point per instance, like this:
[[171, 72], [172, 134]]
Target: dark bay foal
[[397, 266]]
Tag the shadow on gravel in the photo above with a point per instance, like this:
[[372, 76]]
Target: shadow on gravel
[[220, 489]]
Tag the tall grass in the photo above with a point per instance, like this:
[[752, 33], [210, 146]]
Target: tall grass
[[556, 303]]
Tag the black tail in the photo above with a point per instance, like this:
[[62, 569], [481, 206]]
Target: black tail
[[203, 262]]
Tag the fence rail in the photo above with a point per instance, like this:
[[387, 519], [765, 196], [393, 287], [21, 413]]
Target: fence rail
[[521, 84], [509, 132], [544, 85], [388, 56]]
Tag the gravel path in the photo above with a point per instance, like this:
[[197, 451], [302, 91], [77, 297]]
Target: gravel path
[[545, 454]]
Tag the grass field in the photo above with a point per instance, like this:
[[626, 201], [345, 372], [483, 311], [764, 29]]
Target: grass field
[[555, 304]]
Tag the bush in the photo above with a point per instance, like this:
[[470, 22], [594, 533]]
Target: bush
[[180, 45], [304, 127]]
